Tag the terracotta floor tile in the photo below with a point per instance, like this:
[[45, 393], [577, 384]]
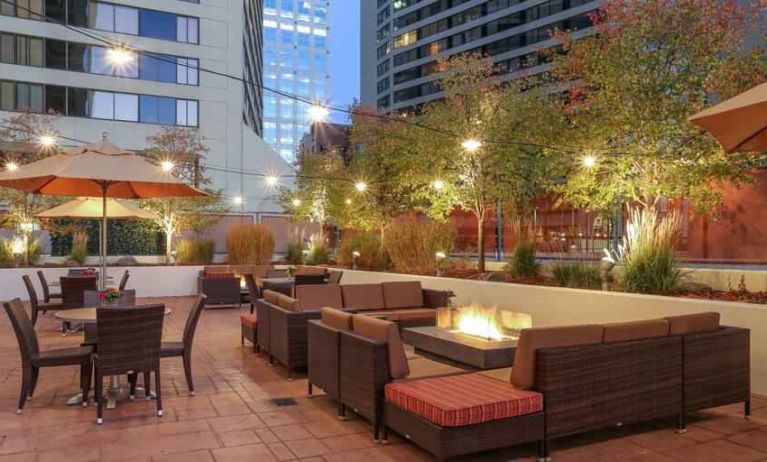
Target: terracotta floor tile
[[292, 432], [239, 438], [196, 456], [247, 453], [348, 442], [718, 451], [754, 439], [307, 448], [280, 451]]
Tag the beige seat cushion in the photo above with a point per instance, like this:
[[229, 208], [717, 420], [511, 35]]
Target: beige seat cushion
[[530, 340], [363, 296], [271, 296], [336, 319], [389, 315], [317, 296], [403, 294], [416, 313], [384, 331], [692, 323], [289, 303], [635, 330]]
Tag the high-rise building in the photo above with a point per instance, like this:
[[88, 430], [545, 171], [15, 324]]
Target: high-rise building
[[49, 68], [296, 57], [401, 41]]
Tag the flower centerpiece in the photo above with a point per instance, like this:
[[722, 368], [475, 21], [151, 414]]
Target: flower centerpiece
[[88, 272], [109, 296]]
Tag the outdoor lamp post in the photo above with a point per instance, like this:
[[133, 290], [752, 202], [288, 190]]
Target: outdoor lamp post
[[605, 266], [17, 247], [439, 257], [355, 256]]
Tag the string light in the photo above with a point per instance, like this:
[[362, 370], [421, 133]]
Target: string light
[[589, 161], [361, 186], [348, 202], [271, 180], [318, 113], [119, 57], [438, 185], [167, 166], [471, 145], [296, 202], [237, 200], [46, 141], [11, 166]]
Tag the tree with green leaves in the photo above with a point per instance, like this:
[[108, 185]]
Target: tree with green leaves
[[20, 144], [632, 85], [499, 156], [185, 149]]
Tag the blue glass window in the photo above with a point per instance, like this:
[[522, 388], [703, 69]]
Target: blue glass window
[[157, 110], [157, 24], [157, 67]]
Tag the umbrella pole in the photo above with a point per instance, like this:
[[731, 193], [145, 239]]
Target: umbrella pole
[[104, 187]]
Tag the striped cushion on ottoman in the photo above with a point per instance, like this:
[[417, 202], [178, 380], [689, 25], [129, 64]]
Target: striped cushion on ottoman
[[463, 399]]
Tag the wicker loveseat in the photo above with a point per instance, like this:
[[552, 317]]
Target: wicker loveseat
[[282, 320], [586, 377]]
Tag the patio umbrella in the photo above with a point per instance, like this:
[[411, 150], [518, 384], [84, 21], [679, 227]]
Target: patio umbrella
[[92, 207], [98, 170], [740, 123]]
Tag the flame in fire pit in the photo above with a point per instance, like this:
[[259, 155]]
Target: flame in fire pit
[[479, 322]]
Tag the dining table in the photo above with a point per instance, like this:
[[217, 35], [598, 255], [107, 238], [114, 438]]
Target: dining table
[[87, 317]]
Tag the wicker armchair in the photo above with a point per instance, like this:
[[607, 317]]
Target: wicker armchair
[[220, 289], [128, 343], [184, 347], [32, 359], [47, 294], [35, 305]]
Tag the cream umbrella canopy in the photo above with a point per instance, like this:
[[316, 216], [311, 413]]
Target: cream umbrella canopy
[[98, 170], [92, 207], [739, 123]]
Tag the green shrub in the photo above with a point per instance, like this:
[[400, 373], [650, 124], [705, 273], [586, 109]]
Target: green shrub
[[579, 275], [316, 253], [412, 247], [6, 253], [369, 247], [249, 244], [195, 251], [79, 246], [522, 263], [647, 254], [295, 253]]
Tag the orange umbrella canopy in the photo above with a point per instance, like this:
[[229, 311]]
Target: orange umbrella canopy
[[87, 170], [740, 123]]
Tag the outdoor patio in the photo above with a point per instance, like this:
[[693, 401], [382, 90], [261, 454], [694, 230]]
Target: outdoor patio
[[233, 417]]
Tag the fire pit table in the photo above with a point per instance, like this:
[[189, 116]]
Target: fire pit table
[[473, 337]]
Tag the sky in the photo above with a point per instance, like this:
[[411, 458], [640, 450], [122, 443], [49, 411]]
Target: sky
[[344, 54]]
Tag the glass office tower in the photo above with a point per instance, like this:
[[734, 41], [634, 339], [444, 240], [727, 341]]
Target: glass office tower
[[295, 57]]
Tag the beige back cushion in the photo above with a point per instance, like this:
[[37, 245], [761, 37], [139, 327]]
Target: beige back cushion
[[530, 340], [363, 296], [336, 319], [311, 270], [635, 330], [403, 294], [271, 296], [316, 296], [384, 331], [692, 323], [289, 303], [216, 269]]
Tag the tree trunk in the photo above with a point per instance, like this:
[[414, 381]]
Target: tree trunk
[[481, 243], [168, 246]]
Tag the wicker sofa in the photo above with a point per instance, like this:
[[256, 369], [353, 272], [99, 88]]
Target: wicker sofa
[[282, 320], [585, 377]]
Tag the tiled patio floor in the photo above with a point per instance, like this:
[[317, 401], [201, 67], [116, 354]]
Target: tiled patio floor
[[233, 419]]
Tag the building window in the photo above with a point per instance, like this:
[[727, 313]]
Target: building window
[[383, 85], [405, 39], [186, 113]]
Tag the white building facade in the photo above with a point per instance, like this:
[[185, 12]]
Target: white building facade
[[47, 68], [296, 60]]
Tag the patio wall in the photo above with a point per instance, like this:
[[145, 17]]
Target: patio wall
[[552, 306]]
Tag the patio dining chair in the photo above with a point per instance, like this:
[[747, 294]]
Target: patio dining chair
[[184, 347], [47, 294], [128, 343], [34, 302], [73, 289], [253, 292], [124, 281], [32, 359]]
